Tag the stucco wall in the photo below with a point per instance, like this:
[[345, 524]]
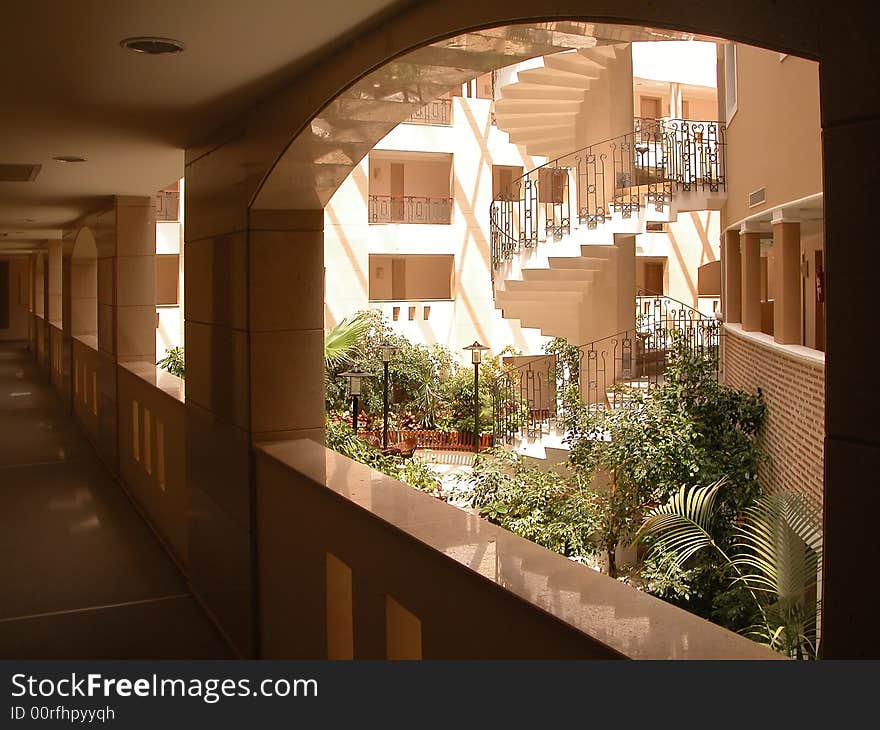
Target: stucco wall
[[773, 139]]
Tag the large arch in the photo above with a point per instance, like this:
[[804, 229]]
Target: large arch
[[256, 188]]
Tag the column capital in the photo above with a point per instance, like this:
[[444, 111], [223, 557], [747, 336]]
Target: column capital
[[753, 227], [786, 215]]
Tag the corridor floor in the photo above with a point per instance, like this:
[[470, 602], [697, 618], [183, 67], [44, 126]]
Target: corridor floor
[[81, 574]]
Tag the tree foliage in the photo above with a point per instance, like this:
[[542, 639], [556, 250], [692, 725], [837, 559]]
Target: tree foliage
[[342, 439]]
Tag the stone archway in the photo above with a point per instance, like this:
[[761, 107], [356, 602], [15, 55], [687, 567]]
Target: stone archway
[[255, 192]]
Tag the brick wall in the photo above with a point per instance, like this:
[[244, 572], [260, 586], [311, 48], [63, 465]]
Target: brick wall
[[794, 430]]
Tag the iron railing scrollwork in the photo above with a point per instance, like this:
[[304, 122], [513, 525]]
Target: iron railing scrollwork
[[436, 112], [530, 398], [410, 209], [644, 167]]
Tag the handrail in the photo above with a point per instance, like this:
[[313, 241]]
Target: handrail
[[655, 159], [531, 398]]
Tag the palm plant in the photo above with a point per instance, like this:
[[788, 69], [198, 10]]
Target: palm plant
[[341, 341], [777, 544]]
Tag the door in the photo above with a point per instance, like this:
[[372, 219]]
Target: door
[[397, 188]]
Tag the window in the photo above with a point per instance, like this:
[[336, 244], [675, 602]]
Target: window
[[413, 277]]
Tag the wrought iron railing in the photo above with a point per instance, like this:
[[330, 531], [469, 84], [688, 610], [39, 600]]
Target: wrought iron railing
[[436, 112], [530, 399], [409, 209], [645, 167]]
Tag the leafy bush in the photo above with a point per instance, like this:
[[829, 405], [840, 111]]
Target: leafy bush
[[342, 439], [173, 362], [428, 387], [551, 509]]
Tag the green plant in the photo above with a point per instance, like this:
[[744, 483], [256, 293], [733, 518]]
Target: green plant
[[775, 557], [174, 362], [341, 341], [342, 439], [687, 431], [544, 506]]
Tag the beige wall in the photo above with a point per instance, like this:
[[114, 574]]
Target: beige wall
[[475, 146], [422, 177], [773, 139], [688, 243]]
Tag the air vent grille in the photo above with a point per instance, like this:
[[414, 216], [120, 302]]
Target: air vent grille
[[757, 197], [19, 173]]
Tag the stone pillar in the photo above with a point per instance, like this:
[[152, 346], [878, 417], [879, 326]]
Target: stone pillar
[[850, 129], [787, 280], [254, 350], [732, 277], [750, 254], [626, 282], [135, 279]]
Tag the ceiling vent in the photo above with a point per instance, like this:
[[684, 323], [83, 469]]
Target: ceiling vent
[[757, 197], [19, 173]]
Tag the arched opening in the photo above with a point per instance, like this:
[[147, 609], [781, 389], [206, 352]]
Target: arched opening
[[84, 288], [286, 184]]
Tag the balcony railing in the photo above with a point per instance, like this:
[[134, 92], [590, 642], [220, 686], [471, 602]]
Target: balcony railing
[[410, 209], [658, 159], [437, 112], [168, 206], [531, 398]]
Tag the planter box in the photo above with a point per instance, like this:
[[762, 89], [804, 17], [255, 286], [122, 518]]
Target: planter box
[[439, 440]]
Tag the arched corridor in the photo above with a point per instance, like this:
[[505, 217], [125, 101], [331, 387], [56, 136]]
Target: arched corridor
[[83, 575], [223, 468]]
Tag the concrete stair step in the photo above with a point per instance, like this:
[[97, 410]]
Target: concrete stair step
[[574, 62], [541, 91], [556, 77], [557, 274], [512, 120], [601, 54], [537, 286], [531, 105]]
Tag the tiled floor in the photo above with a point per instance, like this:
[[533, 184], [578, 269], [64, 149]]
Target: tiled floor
[[81, 574]]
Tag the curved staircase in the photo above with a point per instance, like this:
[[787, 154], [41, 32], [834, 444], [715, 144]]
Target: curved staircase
[[562, 234], [539, 109]]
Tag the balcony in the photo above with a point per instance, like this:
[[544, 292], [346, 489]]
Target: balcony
[[410, 209], [436, 113]]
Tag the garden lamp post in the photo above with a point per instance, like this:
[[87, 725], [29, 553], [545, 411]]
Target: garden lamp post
[[355, 379], [476, 351], [388, 350]]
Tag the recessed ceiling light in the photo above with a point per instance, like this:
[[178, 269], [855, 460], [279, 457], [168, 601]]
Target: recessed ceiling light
[[376, 85], [152, 46], [69, 158]]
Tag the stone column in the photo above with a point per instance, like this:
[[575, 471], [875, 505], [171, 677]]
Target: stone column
[[787, 279], [626, 282], [254, 350], [732, 277], [750, 254], [850, 129], [135, 279]]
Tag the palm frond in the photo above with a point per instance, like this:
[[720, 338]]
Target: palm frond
[[682, 527], [779, 542], [341, 341]]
